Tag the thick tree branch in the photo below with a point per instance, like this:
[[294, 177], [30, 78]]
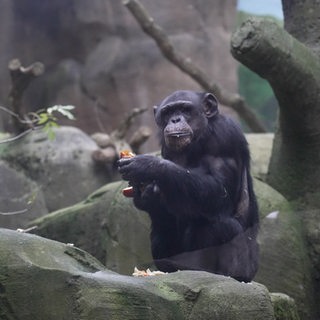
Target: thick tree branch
[[186, 65], [303, 22], [291, 68]]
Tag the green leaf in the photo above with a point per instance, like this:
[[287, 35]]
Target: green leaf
[[51, 135], [43, 118], [48, 128]]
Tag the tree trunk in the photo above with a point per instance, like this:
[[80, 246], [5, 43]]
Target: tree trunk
[[293, 71], [301, 19], [289, 60]]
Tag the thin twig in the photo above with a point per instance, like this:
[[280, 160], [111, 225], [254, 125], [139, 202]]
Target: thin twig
[[27, 230], [22, 134], [13, 212], [15, 115], [125, 125]]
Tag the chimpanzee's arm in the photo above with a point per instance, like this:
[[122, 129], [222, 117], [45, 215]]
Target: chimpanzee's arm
[[210, 186]]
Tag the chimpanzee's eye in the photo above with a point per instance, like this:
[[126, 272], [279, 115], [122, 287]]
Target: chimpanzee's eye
[[165, 115], [189, 107], [186, 108]]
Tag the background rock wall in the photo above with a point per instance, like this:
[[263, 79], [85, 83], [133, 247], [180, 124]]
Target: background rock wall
[[98, 59]]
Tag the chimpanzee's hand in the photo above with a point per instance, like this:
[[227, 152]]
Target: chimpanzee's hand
[[141, 168], [146, 196]]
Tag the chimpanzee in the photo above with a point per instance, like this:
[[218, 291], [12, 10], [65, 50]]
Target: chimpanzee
[[199, 195]]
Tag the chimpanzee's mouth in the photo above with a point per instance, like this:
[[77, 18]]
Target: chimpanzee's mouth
[[177, 141], [179, 134]]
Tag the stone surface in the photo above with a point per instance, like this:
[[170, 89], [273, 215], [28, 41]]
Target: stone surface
[[284, 307], [44, 279], [110, 228], [284, 259], [106, 225], [19, 194], [62, 169]]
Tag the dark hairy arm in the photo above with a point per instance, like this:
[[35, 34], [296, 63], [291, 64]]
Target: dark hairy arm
[[208, 186]]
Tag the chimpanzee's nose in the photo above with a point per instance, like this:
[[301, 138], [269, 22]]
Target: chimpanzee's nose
[[175, 119]]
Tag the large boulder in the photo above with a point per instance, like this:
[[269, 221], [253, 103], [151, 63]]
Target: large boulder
[[284, 263], [108, 226], [21, 200], [312, 227], [44, 279], [63, 168]]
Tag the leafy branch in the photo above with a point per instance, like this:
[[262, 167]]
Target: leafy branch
[[44, 119]]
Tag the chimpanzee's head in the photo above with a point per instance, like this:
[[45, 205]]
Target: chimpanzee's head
[[183, 116]]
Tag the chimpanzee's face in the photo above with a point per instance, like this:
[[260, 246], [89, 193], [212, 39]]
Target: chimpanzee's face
[[183, 116]]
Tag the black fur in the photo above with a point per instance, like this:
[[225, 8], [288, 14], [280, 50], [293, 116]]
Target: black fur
[[199, 195]]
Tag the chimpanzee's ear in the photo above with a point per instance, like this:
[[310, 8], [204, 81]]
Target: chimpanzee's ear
[[156, 115], [155, 109], [210, 105]]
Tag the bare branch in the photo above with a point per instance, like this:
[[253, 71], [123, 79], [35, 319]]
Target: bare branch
[[186, 65], [139, 138], [13, 212], [27, 230], [17, 137], [15, 115], [125, 125]]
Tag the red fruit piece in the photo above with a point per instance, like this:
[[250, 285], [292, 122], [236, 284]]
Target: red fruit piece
[[128, 192], [126, 154]]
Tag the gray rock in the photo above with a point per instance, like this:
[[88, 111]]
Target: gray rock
[[284, 307], [109, 227], [62, 168], [44, 279], [21, 200], [284, 264], [312, 227], [106, 225]]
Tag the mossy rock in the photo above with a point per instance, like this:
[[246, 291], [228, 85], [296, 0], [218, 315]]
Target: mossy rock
[[63, 168], [284, 307], [45, 279], [108, 226], [284, 263]]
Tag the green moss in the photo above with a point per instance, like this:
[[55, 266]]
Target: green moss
[[284, 307]]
